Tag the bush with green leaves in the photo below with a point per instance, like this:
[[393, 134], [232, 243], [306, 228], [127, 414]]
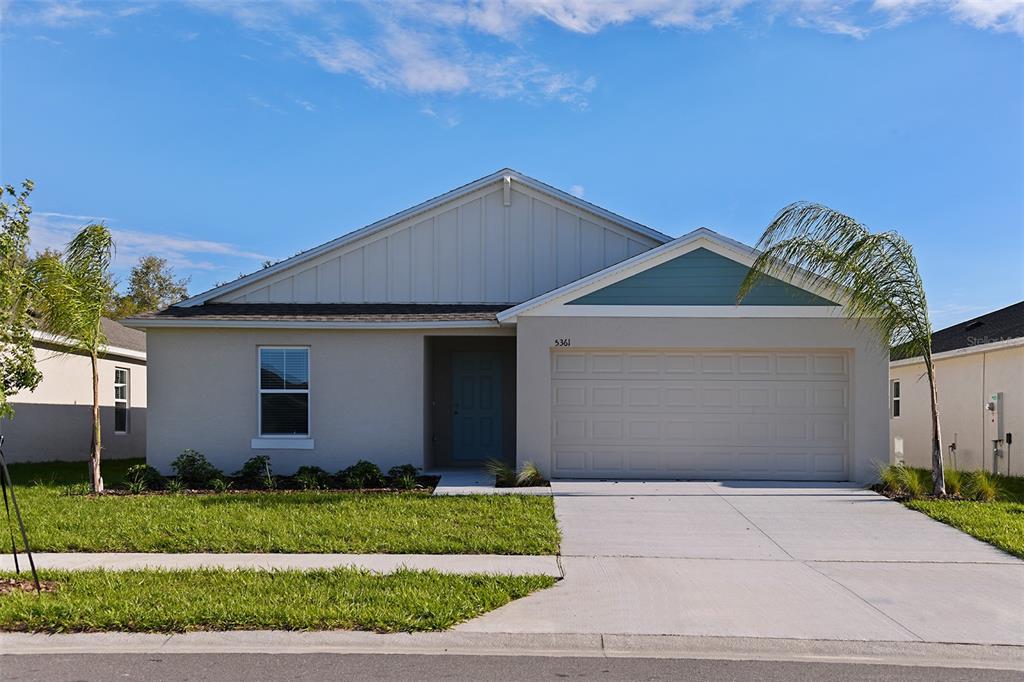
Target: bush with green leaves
[[219, 485], [505, 475], [312, 478], [175, 486], [956, 482], [904, 481], [403, 471], [142, 477], [361, 475], [983, 486], [194, 470], [256, 472]]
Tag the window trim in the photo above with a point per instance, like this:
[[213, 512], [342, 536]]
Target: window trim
[[260, 391], [127, 400], [895, 401]]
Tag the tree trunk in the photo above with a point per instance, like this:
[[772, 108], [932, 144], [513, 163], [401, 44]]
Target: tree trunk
[[938, 472], [94, 456]]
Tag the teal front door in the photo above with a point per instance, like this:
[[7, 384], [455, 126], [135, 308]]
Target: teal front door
[[476, 405]]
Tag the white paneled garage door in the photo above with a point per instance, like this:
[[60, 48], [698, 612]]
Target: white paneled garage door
[[755, 414]]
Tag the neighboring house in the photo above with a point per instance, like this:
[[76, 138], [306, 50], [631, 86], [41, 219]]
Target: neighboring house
[[508, 319], [54, 422], [974, 361]]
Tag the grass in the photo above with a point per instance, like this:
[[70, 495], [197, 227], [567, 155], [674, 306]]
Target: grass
[[997, 523], [995, 514], [60, 519], [217, 599]]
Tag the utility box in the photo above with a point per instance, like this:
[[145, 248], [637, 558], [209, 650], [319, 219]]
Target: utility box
[[995, 414]]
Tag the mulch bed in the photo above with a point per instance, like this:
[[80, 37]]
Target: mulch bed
[[425, 484], [11, 585]]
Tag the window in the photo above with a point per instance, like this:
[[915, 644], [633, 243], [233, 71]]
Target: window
[[894, 393], [121, 404], [284, 391]]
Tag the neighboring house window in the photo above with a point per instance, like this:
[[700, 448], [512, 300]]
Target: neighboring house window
[[121, 399], [894, 391], [284, 391]]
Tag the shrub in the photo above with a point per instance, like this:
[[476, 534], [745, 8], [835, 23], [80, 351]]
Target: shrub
[[175, 486], [983, 486], [956, 482], [256, 472], [219, 485], [504, 475], [194, 470], [142, 477], [312, 478], [362, 474], [529, 475], [903, 481], [403, 470]]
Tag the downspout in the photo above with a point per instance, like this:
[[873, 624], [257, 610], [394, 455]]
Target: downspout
[[984, 357]]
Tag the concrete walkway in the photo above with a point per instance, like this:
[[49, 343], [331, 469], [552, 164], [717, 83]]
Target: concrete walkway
[[477, 482], [824, 562], [379, 563]]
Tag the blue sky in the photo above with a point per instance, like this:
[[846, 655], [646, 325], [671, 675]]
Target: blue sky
[[218, 134]]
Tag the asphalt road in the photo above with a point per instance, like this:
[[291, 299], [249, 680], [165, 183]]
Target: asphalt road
[[256, 667]]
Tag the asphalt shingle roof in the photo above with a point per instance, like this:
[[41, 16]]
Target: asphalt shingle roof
[[999, 325], [332, 312]]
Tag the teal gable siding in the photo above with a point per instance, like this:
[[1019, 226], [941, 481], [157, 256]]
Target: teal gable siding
[[700, 277]]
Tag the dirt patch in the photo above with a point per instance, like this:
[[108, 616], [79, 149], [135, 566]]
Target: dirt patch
[[11, 585]]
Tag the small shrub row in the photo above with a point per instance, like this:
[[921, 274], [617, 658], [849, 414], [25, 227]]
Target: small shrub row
[[193, 471], [902, 481], [505, 476]]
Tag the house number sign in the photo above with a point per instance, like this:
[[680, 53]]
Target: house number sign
[[563, 343]]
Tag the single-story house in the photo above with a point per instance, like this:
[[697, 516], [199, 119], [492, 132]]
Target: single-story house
[[979, 373], [54, 422], [508, 319]]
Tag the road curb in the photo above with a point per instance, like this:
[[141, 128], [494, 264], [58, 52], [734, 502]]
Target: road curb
[[552, 644]]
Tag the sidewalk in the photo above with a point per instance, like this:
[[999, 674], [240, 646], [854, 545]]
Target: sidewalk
[[379, 563], [553, 644]]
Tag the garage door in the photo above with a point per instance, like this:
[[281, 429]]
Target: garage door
[[754, 414]]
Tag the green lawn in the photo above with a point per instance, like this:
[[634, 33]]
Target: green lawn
[[61, 519], [210, 599], [1000, 523]]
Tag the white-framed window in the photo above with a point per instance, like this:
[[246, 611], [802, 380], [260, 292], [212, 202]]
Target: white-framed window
[[283, 391], [894, 398], [122, 399]]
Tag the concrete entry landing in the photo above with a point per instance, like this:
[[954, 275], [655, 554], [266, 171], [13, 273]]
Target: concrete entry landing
[[786, 560]]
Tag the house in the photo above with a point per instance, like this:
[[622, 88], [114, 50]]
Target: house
[[508, 319], [979, 372], [54, 422]]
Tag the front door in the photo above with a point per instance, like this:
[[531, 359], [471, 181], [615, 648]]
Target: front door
[[476, 405]]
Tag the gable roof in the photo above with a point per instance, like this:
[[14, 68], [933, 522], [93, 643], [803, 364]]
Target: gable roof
[[641, 262], [326, 315], [121, 340], [504, 175]]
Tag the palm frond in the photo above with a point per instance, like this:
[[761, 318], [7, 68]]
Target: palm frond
[[875, 275]]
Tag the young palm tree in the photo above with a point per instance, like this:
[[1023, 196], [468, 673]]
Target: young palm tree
[[875, 275], [71, 294]]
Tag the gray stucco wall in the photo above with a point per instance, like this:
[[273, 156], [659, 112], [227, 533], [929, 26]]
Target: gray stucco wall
[[868, 380], [367, 396]]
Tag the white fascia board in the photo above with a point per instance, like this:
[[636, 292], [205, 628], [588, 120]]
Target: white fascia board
[[428, 205], [699, 238], [306, 324], [648, 311], [46, 337], [960, 352]]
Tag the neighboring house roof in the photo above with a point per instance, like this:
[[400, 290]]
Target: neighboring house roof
[[328, 314], [506, 175], [121, 336], [997, 327], [121, 340]]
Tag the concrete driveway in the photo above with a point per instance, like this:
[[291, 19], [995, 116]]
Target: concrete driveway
[[785, 560]]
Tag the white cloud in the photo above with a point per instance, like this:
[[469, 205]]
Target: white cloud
[[577, 191], [51, 230]]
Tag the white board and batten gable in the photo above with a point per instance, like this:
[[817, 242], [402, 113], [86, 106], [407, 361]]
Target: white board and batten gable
[[505, 238]]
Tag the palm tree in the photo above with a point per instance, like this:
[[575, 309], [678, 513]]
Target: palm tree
[[874, 275], [71, 294]]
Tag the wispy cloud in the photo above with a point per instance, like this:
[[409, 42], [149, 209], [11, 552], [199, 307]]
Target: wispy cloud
[[51, 230], [577, 191], [481, 47]]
